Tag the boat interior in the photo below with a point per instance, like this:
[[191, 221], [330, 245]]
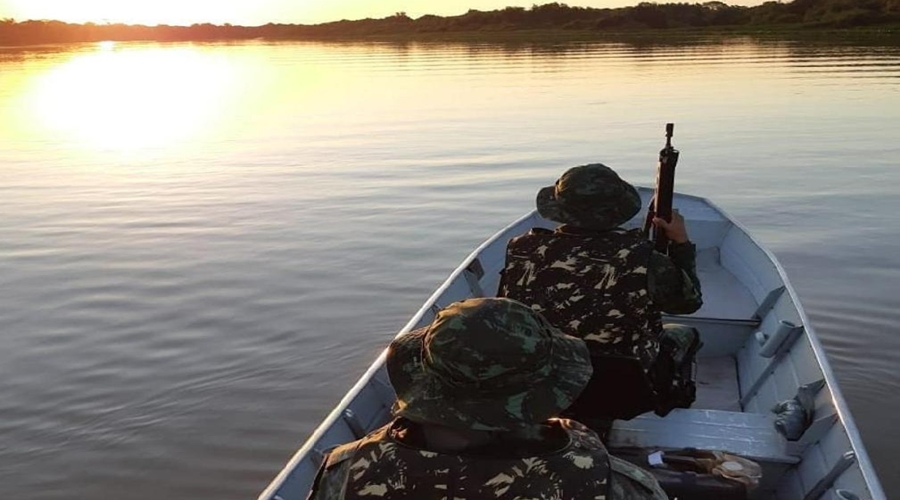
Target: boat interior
[[758, 351]]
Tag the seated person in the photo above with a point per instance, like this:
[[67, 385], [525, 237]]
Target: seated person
[[476, 393], [606, 285]]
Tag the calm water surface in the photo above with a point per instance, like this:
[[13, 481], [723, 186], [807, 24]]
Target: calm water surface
[[203, 246]]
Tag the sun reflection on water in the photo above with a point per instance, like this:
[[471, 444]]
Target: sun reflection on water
[[134, 100]]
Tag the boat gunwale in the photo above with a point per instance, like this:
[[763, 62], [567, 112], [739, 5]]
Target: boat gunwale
[[866, 467], [376, 365], [843, 409]]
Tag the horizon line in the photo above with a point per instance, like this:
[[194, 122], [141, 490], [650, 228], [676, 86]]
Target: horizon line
[[563, 4]]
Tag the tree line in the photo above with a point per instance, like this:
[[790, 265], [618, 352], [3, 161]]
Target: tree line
[[551, 16]]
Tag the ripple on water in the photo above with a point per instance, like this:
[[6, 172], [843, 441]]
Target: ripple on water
[[177, 317]]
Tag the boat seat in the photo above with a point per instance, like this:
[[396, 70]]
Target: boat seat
[[750, 435]]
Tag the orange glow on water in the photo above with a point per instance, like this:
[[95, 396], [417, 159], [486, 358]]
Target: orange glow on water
[[128, 100], [151, 98]]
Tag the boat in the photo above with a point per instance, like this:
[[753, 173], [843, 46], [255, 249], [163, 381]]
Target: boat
[[759, 349]]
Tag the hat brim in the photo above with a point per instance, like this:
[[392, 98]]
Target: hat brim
[[602, 218], [424, 398]]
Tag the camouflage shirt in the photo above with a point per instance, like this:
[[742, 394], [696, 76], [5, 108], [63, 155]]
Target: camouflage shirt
[[672, 280], [606, 287], [591, 286], [391, 464]]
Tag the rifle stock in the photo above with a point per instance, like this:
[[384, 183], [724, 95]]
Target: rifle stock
[[661, 204]]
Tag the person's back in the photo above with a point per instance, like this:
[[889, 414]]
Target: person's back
[[476, 391], [394, 463], [592, 285], [606, 285]]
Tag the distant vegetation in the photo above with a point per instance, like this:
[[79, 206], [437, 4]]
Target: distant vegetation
[[555, 17]]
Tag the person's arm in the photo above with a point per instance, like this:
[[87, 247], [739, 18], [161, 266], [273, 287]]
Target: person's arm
[[672, 280]]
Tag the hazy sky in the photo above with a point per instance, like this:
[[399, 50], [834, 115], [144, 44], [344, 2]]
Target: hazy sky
[[252, 12]]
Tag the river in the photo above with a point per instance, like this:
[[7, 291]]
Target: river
[[202, 246]]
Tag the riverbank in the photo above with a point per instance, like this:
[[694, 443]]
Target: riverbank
[[862, 35], [548, 22], [881, 33]]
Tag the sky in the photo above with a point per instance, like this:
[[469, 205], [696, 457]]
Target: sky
[[256, 12]]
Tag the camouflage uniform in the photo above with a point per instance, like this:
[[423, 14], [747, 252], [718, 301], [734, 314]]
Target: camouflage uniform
[[384, 465], [592, 199], [490, 365], [592, 286], [601, 283]]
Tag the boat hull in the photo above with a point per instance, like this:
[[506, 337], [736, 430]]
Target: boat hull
[[748, 300]]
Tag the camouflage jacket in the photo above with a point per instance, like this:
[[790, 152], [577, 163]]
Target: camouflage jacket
[[386, 465], [671, 279], [606, 287], [593, 286]]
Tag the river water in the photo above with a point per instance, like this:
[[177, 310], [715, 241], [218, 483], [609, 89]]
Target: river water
[[203, 246]]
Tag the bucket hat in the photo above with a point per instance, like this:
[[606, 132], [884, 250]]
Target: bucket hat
[[589, 196], [487, 364]]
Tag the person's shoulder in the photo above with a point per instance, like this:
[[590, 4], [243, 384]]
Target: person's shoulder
[[532, 237], [637, 237], [331, 479], [535, 231], [584, 435], [344, 452]]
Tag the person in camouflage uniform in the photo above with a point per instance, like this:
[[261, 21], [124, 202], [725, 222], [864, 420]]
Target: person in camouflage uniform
[[476, 391], [606, 285]]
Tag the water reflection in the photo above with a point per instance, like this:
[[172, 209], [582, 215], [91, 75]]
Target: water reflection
[[129, 100], [205, 244]]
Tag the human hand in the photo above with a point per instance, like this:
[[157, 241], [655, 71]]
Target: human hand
[[675, 230]]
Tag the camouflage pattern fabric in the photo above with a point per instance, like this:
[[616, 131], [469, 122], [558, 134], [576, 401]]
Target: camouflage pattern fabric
[[595, 198], [591, 197], [672, 279], [682, 339], [675, 385], [380, 466], [487, 364], [592, 286]]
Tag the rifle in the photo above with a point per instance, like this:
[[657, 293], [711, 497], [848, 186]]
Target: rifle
[[661, 204]]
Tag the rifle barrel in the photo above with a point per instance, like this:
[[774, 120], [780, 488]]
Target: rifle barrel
[[665, 189]]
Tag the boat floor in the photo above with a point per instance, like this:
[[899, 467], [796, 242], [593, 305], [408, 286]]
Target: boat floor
[[726, 297], [717, 384]]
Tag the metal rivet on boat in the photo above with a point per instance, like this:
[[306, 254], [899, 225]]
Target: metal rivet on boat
[[762, 337]]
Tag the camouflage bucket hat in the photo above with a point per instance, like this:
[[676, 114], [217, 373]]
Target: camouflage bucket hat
[[590, 196], [487, 364]]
